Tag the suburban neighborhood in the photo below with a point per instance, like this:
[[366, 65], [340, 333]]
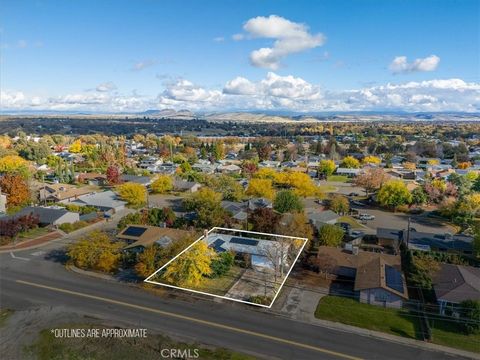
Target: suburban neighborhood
[[393, 232], [239, 180]]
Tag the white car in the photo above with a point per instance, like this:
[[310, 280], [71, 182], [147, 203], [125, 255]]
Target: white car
[[366, 217]]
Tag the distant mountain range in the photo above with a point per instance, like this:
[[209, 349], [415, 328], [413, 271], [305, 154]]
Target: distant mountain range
[[259, 116]]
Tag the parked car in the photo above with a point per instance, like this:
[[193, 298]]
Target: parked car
[[366, 217]]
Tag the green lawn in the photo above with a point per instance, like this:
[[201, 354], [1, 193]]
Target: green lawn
[[48, 347], [337, 178], [33, 233], [349, 220], [220, 285], [351, 312], [392, 321], [449, 333]]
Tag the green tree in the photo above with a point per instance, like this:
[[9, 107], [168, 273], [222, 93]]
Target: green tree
[[470, 314], [330, 235], [393, 194], [419, 196], [287, 201]]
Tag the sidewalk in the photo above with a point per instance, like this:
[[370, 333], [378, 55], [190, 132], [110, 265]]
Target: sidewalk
[[300, 305], [32, 243]]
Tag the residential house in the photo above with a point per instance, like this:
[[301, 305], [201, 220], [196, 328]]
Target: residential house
[[259, 203], [49, 216], [106, 201], [445, 242], [95, 179], [187, 186], [238, 210], [320, 218], [61, 192], [378, 278], [348, 172], [142, 180], [139, 237], [229, 169], [455, 283]]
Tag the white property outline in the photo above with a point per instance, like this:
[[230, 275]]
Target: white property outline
[[147, 280]]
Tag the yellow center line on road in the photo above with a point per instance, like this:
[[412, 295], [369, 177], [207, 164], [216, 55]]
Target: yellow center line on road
[[192, 319]]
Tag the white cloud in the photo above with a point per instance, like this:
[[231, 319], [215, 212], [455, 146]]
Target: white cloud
[[219, 39], [240, 86], [290, 37], [401, 65], [274, 92], [106, 86], [143, 64]]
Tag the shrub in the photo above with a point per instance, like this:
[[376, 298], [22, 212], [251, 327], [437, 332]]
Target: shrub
[[222, 264], [69, 227], [260, 299]]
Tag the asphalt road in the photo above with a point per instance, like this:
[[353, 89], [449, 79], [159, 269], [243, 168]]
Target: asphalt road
[[37, 278]]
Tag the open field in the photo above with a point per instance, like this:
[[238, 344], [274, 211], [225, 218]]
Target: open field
[[152, 347]]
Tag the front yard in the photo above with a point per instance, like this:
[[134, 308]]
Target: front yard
[[220, 285], [393, 321], [33, 233], [351, 312]]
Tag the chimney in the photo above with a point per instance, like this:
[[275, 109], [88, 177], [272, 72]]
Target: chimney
[[205, 235]]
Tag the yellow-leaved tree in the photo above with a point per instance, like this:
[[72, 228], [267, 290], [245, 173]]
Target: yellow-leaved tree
[[190, 268], [261, 188], [76, 147], [134, 194], [350, 162], [13, 163], [96, 251], [162, 184], [371, 160]]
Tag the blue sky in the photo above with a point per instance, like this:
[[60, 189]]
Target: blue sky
[[330, 55]]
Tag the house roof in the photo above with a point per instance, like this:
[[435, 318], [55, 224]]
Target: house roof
[[146, 235], [105, 199], [323, 216], [371, 269], [62, 191], [47, 215], [180, 184], [143, 180], [455, 283], [444, 241]]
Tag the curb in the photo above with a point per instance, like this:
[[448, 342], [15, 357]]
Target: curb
[[384, 336]]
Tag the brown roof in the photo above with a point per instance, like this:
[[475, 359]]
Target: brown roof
[[455, 283], [62, 191], [152, 234], [370, 268]]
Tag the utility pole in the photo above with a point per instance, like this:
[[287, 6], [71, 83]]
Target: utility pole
[[408, 232]]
